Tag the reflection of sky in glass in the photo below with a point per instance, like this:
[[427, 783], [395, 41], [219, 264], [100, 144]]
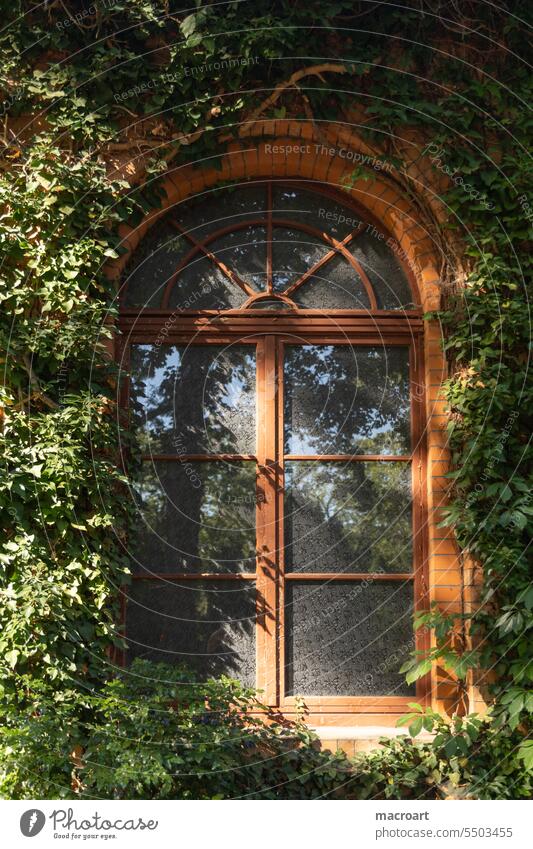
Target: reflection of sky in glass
[[340, 399], [203, 396], [152, 379]]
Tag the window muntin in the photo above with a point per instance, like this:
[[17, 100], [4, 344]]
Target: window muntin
[[219, 252], [372, 438]]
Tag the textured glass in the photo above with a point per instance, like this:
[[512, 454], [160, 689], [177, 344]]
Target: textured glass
[[195, 517], [390, 284], [270, 304], [201, 285], [220, 208], [293, 253], [207, 626], [244, 252], [336, 286], [341, 399], [196, 399], [314, 209], [348, 517], [347, 638], [152, 265]]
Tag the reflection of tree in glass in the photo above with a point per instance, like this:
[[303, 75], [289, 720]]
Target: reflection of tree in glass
[[153, 263], [345, 400], [348, 517], [293, 252], [194, 400], [208, 626], [197, 517]]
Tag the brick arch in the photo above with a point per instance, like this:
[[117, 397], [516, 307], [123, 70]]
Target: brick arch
[[325, 161], [294, 150]]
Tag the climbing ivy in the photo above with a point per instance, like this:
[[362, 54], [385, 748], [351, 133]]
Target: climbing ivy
[[82, 86]]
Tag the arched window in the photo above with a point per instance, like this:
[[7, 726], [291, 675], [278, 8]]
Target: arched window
[[273, 343]]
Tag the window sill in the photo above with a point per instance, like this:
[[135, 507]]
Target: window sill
[[366, 732]]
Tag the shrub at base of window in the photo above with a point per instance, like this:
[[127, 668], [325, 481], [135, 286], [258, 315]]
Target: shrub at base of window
[[155, 733]]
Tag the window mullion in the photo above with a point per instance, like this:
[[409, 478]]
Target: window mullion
[[267, 512]]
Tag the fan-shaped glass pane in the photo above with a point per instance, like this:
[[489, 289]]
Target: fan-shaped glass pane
[[204, 286], [153, 263], [244, 252], [314, 209], [383, 269], [335, 286], [241, 212], [293, 253], [221, 208]]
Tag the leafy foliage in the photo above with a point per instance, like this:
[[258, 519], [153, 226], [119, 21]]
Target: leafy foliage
[[156, 734]]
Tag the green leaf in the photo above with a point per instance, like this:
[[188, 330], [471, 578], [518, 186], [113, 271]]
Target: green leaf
[[188, 25], [12, 657], [525, 753], [416, 727]]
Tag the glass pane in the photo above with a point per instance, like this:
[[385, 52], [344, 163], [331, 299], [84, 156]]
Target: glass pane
[[201, 285], [221, 207], [337, 286], [196, 517], [314, 209], [153, 263], [244, 252], [270, 304], [345, 400], [293, 252], [207, 626], [348, 638], [198, 399], [348, 517], [390, 284]]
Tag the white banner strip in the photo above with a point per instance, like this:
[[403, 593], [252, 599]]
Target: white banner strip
[[241, 824]]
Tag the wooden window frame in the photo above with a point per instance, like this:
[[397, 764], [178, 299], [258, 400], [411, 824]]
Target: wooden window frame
[[270, 332]]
